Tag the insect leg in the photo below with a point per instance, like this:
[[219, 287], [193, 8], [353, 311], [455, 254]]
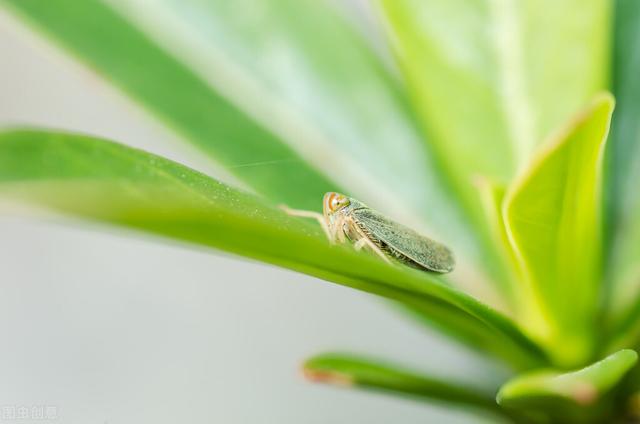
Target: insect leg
[[360, 244], [340, 230], [363, 241], [376, 249], [313, 215]]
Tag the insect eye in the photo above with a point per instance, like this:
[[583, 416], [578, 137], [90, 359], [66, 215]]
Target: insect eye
[[339, 202], [333, 202]]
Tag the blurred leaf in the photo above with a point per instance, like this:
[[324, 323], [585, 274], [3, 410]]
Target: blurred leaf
[[491, 78], [107, 43], [107, 182], [296, 67], [302, 104], [553, 218], [492, 196], [623, 163], [568, 397], [464, 329], [353, 371]]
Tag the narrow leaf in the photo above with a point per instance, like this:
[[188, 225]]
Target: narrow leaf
[[553, 218], [297, 67], [287, 97], [623, 166], [125, 56], [568, 397], [107, 182], [353, 371], [463, 328]]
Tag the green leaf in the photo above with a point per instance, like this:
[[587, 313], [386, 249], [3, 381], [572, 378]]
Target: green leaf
[[490, 79], [576, 396], [282, 93], [623, 166], [492, 196], [463, 328], [552, 214], [102, 39], [297, 67], [107, 182], [353, 371]]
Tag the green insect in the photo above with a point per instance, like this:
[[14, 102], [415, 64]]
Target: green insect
[[347, 218]]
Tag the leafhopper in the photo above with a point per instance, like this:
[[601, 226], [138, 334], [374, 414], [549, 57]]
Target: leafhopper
[[347, 219]]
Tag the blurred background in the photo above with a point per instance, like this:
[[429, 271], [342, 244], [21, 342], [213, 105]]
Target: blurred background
[[104, 327]]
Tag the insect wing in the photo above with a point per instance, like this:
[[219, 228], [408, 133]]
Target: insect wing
[[421, 250]]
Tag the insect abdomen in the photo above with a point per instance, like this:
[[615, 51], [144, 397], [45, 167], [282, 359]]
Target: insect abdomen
[[388, 250]]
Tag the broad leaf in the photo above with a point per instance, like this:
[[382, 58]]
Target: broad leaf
[[353, 371], [552, 214], [623, 273], [301, 104], [490, 79], [492, 196], [577, 396], [107, 182]]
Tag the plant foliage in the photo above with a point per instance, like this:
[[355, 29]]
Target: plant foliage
[[489, 131]]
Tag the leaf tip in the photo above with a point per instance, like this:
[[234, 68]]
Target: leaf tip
[[319, 370], [584, 393], [328, 377], [630, 355], [604, 98]]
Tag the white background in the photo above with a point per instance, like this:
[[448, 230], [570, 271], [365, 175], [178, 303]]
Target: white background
[[109, 327]]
